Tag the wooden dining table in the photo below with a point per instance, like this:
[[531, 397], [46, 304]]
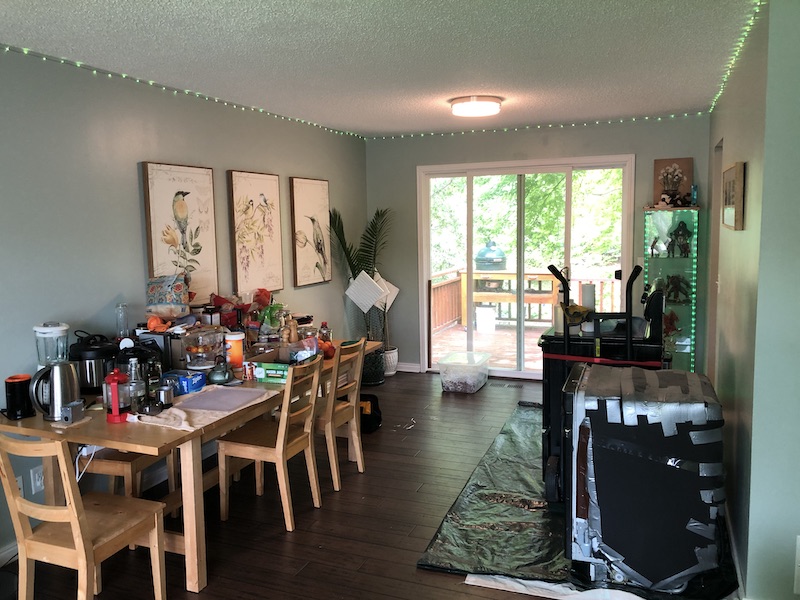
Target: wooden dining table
[[157, 440]]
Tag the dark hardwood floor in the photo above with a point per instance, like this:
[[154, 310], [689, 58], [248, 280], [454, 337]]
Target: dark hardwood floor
[[366, 539]]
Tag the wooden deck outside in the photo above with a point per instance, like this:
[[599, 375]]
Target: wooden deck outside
[[447, 295], [500, 343]]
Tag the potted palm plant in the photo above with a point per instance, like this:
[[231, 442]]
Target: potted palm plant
[[365, 258]]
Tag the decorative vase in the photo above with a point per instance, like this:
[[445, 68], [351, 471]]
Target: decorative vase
[[390, 361], [374, 370]]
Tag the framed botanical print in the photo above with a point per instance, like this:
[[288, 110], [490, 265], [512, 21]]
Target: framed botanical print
[[733, 196], [255, 216], [311, 231], [181, 234]]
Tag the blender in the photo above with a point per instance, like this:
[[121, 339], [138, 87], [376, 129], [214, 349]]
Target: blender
[[56, 382]]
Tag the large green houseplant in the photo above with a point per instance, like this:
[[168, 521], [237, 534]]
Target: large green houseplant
[[366, 257]]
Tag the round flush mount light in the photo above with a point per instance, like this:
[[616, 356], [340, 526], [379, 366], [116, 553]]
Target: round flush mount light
[[475, 106]]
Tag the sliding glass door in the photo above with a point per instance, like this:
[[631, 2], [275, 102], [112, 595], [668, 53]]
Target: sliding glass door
[[491, 235]]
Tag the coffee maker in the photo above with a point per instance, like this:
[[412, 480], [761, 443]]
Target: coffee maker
[[56, 384]]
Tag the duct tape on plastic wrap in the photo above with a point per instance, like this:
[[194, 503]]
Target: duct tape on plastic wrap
[[668, 398]]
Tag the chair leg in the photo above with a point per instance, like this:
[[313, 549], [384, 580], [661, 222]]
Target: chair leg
[[157, 560], [27, 568], [355, 444], [259, 467], [172, 475], [333, 456], [313, 477], [86, 582], [223, 486], [286, 494], [98, 576]]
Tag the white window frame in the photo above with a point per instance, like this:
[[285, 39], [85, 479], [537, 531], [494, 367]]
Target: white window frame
[[626, 162]]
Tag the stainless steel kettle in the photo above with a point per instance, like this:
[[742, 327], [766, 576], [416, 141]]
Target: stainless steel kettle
[[53, 387]]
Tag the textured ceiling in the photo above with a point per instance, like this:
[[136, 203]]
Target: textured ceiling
[[385, 67]]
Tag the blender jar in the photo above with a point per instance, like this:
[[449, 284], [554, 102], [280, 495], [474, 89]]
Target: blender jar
[[51, 342]]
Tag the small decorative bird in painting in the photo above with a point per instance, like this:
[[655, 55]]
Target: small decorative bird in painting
[[319, 242], [180, 211]]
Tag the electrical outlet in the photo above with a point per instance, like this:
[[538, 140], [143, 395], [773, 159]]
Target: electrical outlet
[[37, 480], [19, 485]]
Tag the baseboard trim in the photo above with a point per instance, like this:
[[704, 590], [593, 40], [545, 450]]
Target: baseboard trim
[[408, 368]]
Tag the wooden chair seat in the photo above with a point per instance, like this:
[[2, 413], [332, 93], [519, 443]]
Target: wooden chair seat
[[341, 393], [276, 441], [82, 532]]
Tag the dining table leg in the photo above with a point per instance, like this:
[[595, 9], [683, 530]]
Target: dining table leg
[[194, 528]]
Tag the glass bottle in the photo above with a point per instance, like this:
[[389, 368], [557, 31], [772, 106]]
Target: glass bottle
[[122, 320], [137, 387], [153, 376]]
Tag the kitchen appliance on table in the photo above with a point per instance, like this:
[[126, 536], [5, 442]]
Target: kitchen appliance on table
[[202, 346], [93, 356], [56, 384]]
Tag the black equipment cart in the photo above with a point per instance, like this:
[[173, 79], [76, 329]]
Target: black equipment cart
[[616, 339]]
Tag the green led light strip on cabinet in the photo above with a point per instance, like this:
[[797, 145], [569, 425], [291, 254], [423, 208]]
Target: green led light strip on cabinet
[[670, 260]]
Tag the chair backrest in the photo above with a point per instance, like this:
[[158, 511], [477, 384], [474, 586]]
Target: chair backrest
[[22, 509], [299, 398], [345, 377]]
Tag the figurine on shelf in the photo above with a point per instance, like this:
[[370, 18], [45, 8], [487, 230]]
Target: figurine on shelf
[[671, 247], [654, 248], [677, 289], [681, 237]]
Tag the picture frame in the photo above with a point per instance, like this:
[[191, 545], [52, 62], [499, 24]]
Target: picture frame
[[733, 196], [255, 221], [181, 230], [311, 240], [672, 182]]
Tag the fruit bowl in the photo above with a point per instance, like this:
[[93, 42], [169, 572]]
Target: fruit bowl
[[202, 348]]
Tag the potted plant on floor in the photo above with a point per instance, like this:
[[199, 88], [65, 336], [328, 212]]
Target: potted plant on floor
[[368, 290]]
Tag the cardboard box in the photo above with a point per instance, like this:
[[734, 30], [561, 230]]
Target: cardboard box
[[265, 368]]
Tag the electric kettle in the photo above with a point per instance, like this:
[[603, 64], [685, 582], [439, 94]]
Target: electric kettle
[[53, 387]]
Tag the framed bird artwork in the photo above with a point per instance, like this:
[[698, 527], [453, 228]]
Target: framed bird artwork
[[255, 218], [310, 230], [181, 234]]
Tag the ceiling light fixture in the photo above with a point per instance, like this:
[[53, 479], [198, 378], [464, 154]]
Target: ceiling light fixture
[[475, 106]]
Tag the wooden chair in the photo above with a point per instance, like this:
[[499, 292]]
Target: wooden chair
[[341, 393], [82, 533], [128, 465], [277, 440]]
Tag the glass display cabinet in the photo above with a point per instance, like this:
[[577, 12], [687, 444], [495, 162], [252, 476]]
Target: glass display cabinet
[[670, 262]]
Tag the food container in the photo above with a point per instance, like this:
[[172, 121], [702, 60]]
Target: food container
[[184, 382], [202, 347], [465, 372]]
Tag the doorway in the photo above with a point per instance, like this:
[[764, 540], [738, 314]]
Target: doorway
[[489, 233]]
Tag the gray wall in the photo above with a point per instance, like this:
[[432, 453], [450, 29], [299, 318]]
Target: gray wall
[[72, 231], [391, 181]]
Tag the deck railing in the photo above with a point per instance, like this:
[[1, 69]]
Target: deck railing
[[447, 304]]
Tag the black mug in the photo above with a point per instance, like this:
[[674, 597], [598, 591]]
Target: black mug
[[18, 399]]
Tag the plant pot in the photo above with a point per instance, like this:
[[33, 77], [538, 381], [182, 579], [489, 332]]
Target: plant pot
[[390, 361], [373, 372]]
